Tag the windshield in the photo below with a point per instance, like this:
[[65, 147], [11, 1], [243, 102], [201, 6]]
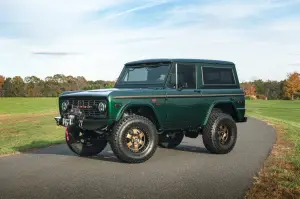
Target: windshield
[[153, 74]]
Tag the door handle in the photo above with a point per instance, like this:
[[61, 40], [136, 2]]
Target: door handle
[[197, 91]]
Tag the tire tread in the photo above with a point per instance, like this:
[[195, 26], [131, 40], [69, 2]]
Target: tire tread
[[210, 128], [115, 144]]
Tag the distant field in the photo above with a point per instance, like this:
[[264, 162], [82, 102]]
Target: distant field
[[28, 123], [284, 111], [27, 105]]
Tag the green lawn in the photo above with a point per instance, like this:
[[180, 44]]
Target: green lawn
[[30, 124], [27, 105], [285, 114]]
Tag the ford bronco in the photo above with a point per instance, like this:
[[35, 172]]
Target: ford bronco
[[156, 102]]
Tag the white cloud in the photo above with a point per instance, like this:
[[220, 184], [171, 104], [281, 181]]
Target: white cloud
[[101, 48]]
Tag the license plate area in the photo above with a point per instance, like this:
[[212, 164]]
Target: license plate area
[[67, 122]]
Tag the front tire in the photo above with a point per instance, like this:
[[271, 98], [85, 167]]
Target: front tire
[[220, 133], [170, 140], [84, 143], [134, 139]]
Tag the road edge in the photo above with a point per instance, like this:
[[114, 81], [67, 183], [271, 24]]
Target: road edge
[[264, 175]]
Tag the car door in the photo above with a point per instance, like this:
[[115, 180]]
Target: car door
[[182, 98]]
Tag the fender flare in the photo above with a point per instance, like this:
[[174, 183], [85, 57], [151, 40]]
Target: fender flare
[[129, 105], [217, 103]]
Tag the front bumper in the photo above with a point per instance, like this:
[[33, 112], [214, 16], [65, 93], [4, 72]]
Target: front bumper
[[89, 124]]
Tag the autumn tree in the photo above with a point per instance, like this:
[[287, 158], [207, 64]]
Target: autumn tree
[[292, 85], [2, 79], [249, 89]]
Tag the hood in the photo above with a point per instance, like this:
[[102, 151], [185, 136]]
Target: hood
[[103, 92], [88, 93]]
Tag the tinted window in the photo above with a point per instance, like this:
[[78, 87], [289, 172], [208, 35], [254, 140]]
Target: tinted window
[[218, 76], [186, 76]]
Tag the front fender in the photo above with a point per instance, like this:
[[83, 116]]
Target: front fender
[[133, 104]]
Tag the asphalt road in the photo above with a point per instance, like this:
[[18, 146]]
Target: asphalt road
[[187, 172]]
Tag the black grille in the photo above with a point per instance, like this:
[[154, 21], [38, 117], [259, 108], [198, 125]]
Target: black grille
[[88, 106]]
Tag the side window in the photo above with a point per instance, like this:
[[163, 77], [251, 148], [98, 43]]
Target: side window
[[171, 82], [219, 76], [186, 75]]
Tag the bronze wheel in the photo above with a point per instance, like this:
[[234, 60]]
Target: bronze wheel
[[223, 134], [134, 139]]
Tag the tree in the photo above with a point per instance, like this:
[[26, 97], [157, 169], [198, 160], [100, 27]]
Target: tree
[[260, 86], [7, 86], [18, 87], [249, 89], [292, 85], [2, 79], [33, 87], [273, 90]]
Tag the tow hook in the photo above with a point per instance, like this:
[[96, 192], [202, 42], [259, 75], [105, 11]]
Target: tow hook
[[58, 121]]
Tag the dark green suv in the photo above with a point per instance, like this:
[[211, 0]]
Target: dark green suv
[[156, 102]]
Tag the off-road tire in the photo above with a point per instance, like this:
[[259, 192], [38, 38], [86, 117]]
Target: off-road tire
[[167, 142], [210, 131], [118, 135], [80, 149]]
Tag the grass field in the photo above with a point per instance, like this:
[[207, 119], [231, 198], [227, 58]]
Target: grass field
[[284, 113], [280, 178], [28, 123]]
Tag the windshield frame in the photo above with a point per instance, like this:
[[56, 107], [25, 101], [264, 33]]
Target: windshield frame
[[123, 84]]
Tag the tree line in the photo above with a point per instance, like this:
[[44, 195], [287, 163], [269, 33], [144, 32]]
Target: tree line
[[288, 89], [53, 86]]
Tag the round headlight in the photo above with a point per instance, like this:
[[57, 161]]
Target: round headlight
[[64, 105], [102, 107]]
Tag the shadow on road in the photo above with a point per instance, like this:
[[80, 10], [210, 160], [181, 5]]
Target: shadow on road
[[41, 147], [189, 148]]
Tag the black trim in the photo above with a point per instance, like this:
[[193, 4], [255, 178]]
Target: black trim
[[89, 124], [175, 96]]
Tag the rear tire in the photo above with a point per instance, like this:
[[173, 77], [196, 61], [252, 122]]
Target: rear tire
[[134, 139], [170, 140], [93, 144], [220, 133]]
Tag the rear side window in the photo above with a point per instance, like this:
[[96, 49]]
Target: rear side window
[[217, 76]]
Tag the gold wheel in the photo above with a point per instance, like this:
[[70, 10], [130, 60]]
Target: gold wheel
[[135, 140], [223, 133]]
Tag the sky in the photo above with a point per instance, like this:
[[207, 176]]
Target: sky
[[95, 38]]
